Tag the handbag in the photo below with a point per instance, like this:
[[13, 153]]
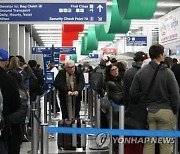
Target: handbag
[[136, 115]]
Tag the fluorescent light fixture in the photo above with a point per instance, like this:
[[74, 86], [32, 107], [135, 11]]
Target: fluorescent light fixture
[[48, 25], [168, 4], [144, 22], [81, 34], [48, 31], [50, 35], [119, 35], [87, 26], [159, 13], [109, 3], [50, 38], [105, 42], [50, 45]]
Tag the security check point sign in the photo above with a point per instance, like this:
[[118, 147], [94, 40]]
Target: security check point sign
[[53, 12]]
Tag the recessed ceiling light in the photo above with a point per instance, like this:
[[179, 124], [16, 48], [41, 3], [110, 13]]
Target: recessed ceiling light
[[159, 13], [168, 4]]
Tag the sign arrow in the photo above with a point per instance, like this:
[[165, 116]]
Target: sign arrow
[[99, 7], [99, 18]]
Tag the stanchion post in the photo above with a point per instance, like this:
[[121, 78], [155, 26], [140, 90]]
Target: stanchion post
[[98, 112], [111, 126], [175, 146], [90, 106], [34, 133], [85, 101], [45, 107], [38, 106], [121, 126], [50, 102], [44, 139], [54, 102]]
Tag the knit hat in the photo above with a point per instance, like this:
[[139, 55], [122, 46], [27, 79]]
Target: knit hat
[[4, 55]]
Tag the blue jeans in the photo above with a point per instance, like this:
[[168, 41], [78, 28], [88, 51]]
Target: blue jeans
[[3, 147]]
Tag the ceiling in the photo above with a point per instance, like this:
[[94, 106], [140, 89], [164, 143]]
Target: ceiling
[[52, 32]]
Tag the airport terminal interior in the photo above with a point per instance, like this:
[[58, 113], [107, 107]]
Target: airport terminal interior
[[85, 32]]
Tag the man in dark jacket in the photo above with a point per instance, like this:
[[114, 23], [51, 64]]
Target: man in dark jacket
[[129, 75], [11, 133], [70, 82]]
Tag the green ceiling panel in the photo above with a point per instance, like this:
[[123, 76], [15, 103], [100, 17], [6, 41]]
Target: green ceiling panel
[[102, 35], [115, 22], [84, 50], [74, 58], [92, 42], [137, 9]]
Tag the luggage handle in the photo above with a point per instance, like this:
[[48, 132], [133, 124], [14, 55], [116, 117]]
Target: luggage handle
[[71, 102]]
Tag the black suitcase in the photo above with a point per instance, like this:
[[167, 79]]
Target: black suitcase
[[65, 140]]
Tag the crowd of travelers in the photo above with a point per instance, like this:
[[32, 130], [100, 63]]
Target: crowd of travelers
[[21, 83]]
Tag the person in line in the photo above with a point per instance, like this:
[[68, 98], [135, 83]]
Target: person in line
[[55, 71], [32, 81], [38, 73], [129, 75], [168, 61], [114, 89], [11, 133], [70, 82], [176, 70], [131, 148], [24, 95], [163, 99]]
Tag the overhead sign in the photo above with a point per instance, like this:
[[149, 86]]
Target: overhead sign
[[53, 12], [67, 50], [61, 50], [49, 77], [169, 26], [93, 55], [136, 41], [47, 57], [39, 50], [109, 50]]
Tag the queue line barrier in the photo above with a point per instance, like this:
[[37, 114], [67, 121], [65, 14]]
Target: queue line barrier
[[41, 122], [121, 132]]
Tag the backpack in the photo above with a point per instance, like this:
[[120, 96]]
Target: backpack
[[96, 80], [20, 115], [100, 69]]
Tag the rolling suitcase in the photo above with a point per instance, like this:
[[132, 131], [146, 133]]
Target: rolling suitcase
[[65, 140], [71, 141]]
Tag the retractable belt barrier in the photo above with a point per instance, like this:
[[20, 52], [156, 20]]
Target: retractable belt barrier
[[114, 132], [37, 123], [96, 131]]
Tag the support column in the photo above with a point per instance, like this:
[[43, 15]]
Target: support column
[[14, 40], [27, 46], [22, 41], [32, 44], [4, 37]]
